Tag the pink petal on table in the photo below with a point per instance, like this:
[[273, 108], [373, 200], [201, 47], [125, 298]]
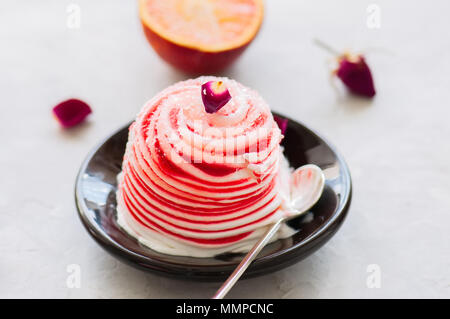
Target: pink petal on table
[[71, 112]]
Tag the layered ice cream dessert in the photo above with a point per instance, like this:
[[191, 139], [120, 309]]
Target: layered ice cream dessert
[[197, 181]]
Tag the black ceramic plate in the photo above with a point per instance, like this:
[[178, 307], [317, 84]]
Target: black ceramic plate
[[95, 199]]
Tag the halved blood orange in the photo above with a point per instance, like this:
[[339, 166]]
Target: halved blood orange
[[200, 36]]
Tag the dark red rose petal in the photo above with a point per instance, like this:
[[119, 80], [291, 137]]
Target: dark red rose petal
[[356, 75], [282, 123], [214, 96], [71, 112]]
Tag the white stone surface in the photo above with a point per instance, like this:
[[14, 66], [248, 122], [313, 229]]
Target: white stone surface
[[397, 145]]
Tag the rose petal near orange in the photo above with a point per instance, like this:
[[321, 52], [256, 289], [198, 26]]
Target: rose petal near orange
[[200, 36]]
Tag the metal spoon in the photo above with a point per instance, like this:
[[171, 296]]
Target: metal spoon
[[306, 188]]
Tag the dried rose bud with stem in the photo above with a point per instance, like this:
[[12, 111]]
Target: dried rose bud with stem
[[352, 70]]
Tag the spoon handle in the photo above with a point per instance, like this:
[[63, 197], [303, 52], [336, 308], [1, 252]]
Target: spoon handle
[[237, 273]]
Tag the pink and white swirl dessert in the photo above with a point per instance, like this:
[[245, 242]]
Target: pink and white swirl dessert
[[198, 184]]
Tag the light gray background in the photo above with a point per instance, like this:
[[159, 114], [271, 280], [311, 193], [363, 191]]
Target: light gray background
[[397, 145]]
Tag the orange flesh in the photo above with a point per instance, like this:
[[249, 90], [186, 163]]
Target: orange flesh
[[206, 25]]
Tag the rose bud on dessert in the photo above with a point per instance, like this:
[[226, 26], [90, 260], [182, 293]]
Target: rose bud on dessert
[[200, 183], [214, 96], [71, 112], [199, 36]]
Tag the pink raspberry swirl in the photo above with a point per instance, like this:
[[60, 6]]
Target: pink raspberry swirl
[[202, 180]]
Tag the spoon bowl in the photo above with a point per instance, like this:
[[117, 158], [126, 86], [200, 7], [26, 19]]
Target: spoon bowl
[[307, 184]]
